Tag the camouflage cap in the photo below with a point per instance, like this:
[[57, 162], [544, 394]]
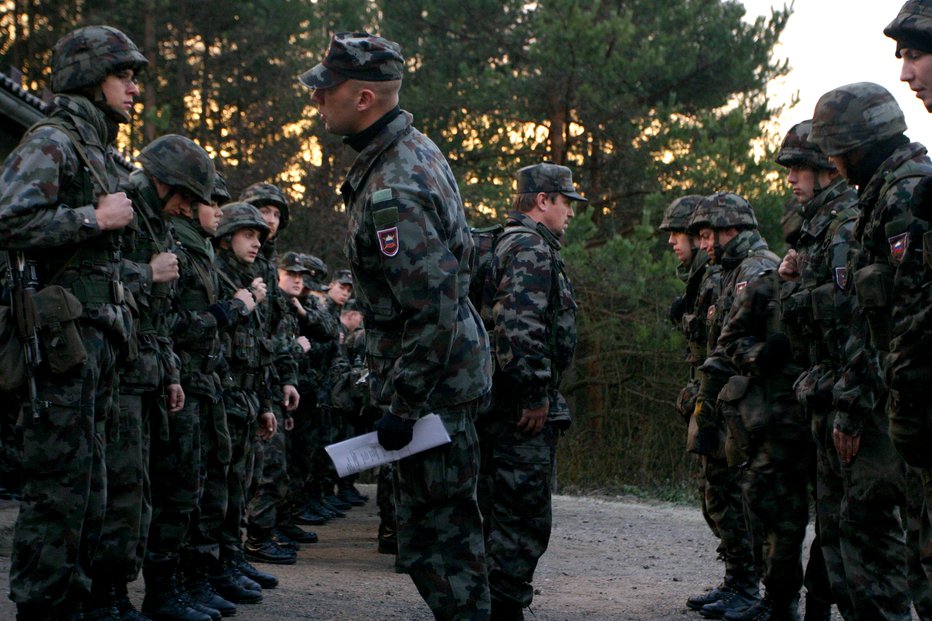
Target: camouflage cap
[[547, 177], [855, 115], [912, 27], [261, 194], [723, 210], [797, 150], [220, 194], [678, 214], [344, 277], [292, 262], [318, 273], [356, 56], [181, 163], [84, 57], [239, 215]]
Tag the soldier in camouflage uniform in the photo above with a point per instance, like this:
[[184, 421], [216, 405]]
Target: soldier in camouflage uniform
[[817, 314], [912, 31], [280, 378], [733, 243], [530, 312], [768, 435], [409, 248], [861, 128], [238, 241], [60, 206]]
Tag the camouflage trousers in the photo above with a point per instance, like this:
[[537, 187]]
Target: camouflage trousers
[[925, 526], [271, 489], [860, 527], [241, 407], [917, 554], [385, 495], [207, 520], [775, 486], [174, 471], [439, 525], [725, 505], [515, 479], [64, 479], [125, 528], [303, 446]]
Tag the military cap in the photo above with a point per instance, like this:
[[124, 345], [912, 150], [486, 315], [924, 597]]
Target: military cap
[[798, 150], [547, 177], [912, 27], [853, 116], [344, 277], [292, 262], [84, 57], [356, 56], [678, 214], [723, 210], [180, 163]]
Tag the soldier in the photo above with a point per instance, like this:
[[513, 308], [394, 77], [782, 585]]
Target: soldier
[[61, 210], [819, 314], [529, 310], [688, 313], [409, 248], [728, 234], [861, 129], [912, 31]]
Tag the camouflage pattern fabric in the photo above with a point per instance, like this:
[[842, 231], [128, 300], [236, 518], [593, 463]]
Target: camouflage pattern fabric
[[427, 351], [84, 57], [356, 56], [180, 163], [855, 115], [547, 178], [47, 206], [912, 27]]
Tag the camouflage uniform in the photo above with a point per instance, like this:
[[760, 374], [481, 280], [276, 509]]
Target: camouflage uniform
[[50, 184], [890, 279], [409, 248], [912, 27], [530, 312]]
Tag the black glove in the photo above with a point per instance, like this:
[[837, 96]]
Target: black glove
[[677, 310], [775, 353], [394, 433]]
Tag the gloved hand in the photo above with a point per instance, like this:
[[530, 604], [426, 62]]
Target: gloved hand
[[677, 310], [775, 353], [394, 433]]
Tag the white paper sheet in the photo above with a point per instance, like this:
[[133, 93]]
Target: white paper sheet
[[364, 452]]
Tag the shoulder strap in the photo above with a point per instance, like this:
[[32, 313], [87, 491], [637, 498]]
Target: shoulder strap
[[907, 170], [75, 142]]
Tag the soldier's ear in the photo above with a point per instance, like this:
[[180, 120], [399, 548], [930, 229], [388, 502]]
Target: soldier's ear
[[365, 99]]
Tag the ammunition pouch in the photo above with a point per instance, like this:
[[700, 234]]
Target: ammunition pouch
[[98, 290], [245, 380], [12, 360], [747, 417], [56, 316], [686, 400], [874, 287]]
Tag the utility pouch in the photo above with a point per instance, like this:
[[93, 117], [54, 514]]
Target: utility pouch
[[823, 311], [874, 287], [746, 415], [12, 360], [57, 312], [800, 304]]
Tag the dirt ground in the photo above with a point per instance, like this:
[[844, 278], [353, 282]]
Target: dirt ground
[[609, 559]]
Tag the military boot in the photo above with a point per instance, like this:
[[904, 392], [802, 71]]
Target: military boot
[[696, 602], [296, 533], [267, 551], [198, 587], [164, 601], [232, 585], [31, 612], [506, 611], [388, 539], [742, 594], [263, 579], [336, 503], [817, 609]]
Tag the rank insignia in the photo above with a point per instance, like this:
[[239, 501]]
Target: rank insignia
[[388, 241], [841, 277], [898, 246]]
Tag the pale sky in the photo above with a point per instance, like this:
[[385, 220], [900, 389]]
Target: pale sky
[[830, 43]]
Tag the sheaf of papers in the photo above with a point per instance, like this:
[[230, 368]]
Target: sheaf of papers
[[364, 452]]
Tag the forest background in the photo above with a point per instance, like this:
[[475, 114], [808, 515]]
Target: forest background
[[646, 101]]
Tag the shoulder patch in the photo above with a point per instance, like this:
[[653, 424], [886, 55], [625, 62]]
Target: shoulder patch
[[380, 196], [841, 277], [899, 244], [388, 241]]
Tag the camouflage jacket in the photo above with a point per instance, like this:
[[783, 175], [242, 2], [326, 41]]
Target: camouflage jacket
[[409, 248], [744, 258], [285, 369], [47, 201], [533, 311], [320, 326], [703, 281], [148, 234], [893, 281]]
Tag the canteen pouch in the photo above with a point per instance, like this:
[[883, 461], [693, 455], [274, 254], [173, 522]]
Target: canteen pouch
[[874, 287], [57, 312], [12, 360]]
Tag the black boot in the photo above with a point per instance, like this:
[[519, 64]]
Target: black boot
[[817, 609], [388, 539], [263, 579], [742, 594], [506, 611], [696, 602], [232, 585], [201, 592], [266, 551], [296, 533], [336, 503], [164, 600], [31, 612]]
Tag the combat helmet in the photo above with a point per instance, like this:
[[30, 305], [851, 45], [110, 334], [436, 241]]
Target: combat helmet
[[239, 215], [853, 116], [912, 27], [86, 56], [181, 163], [260, 194], [677, 216], [318, 273], [798, 150], [220, 194], [723, 210]]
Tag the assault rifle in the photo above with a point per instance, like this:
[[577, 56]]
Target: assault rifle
[[25, 282]]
